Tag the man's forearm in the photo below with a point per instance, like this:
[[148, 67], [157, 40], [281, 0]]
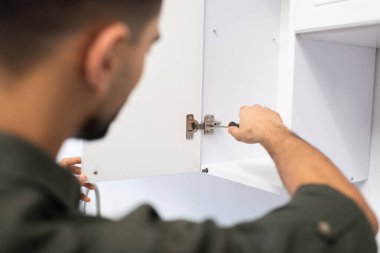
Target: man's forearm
[[300, 164]]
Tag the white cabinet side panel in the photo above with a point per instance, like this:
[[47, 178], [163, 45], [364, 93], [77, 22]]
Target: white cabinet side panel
[[333, 96], [286, 62], [240, 68], [314, 15], [371, 188], [149, 137]]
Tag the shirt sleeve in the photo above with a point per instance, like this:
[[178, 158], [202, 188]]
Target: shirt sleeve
[[318, 219]]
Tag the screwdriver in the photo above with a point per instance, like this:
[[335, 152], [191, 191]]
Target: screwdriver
[[232, 124]]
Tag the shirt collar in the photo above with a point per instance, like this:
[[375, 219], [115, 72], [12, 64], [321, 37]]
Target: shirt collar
[[22, 160]]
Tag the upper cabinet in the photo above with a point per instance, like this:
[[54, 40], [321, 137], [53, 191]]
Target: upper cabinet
[[315, 15], [214, 57]]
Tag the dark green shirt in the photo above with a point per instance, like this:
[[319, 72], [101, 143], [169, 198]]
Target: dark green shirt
[[39, 213]]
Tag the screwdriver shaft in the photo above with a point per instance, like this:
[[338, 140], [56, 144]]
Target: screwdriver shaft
[[231, 124]]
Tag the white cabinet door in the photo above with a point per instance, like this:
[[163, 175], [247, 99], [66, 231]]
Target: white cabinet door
[[314, 15], [148, 138]]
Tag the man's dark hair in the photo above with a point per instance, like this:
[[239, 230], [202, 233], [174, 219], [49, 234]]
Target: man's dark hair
[[29, 29]]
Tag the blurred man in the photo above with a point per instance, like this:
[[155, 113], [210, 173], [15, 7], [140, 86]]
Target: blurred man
[[66, 69]]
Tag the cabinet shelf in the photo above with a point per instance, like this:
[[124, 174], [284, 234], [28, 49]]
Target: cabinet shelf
[[260, 173], [364, 36]]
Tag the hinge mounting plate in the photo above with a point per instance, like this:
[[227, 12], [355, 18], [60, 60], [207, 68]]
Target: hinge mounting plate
[[192, 125]]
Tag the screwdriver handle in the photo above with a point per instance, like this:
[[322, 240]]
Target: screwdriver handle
[[234, 124]]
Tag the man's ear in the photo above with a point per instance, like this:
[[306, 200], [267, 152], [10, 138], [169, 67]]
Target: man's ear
[[101, 57]]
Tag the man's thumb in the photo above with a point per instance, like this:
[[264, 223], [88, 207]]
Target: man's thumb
[[234, 131]]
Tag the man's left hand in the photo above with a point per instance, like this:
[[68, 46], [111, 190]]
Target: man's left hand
[[72, 165]]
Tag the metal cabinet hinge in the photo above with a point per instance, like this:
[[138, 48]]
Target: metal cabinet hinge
[[193, 126]]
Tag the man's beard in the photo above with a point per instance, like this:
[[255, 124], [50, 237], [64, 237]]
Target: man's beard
[[95, 129]]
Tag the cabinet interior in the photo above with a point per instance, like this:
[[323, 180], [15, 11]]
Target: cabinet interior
[[334, 76], [333, 94], [241, 59]]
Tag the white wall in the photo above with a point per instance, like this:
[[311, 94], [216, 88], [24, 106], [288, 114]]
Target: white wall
[[371, 188]]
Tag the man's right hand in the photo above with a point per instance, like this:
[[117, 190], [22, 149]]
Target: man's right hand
[[258, 125]]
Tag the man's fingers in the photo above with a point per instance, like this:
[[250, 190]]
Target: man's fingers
[[82, 179], [70, 165], [67, 162], [235, 132], [89, 186], [85, 198], [75, 170]]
